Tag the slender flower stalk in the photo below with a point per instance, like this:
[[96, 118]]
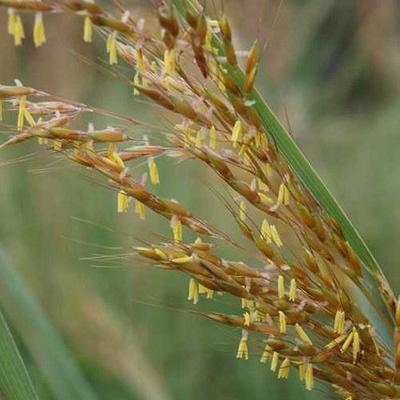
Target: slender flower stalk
[[300, 296]]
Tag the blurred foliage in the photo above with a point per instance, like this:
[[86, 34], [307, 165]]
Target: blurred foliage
[[331, 71]]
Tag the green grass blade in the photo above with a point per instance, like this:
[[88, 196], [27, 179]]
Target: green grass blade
[[15, 383], [40, 337]]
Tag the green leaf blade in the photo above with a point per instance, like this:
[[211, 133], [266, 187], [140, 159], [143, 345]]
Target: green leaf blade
[[15, 382]]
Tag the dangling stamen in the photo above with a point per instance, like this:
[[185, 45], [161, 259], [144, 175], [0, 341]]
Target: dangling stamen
[[87, 30], [39, 36]]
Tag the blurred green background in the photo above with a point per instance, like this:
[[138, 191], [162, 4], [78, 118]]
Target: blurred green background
[[333, 67]]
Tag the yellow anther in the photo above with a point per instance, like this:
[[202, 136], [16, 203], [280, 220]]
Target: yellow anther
[[243, 350], [309, 377], [302, 371], [247, 319], [23, 113], [236, 133], [262, 186], [281, 286], [176, 226], [274, 361], [339, 323], [170, 61], [275, 236], [122, 201], [283, 195], [111, 47], [153, 171], [39, 36], [284, 370], [282, 322], [11, 22], [205, 290], [212, 137], [266, 354], [266, 231], [242, 211], [356, 345], [114, 156], [57, 145], [199, 139], [19, 33], [1, 110], [208, 39], [347, 342], [292, 290], [87, 30], [268, 170], [340, 339], [303, 335], [193, 294], [139, 209], [264, 198]]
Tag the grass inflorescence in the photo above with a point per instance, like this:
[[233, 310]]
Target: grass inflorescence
[[302, 295]]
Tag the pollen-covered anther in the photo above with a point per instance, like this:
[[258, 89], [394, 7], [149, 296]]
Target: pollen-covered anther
[[87, 29], [283, 195], [293, 290], [266, 354], [303, 335], [282, 322], [153, 171], [212, 137], [281, 287], [347, 342], [242, 210], [339, 323], [170, 61], [39, 36], [309, 376], [274, 361], [140, 209], [193, 294], [284, 369], [111, 47], [15, 27], [176, 226], [23, 114], [236, 133], [246, 319], [243, 350], [356, 345], [122, 202]]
